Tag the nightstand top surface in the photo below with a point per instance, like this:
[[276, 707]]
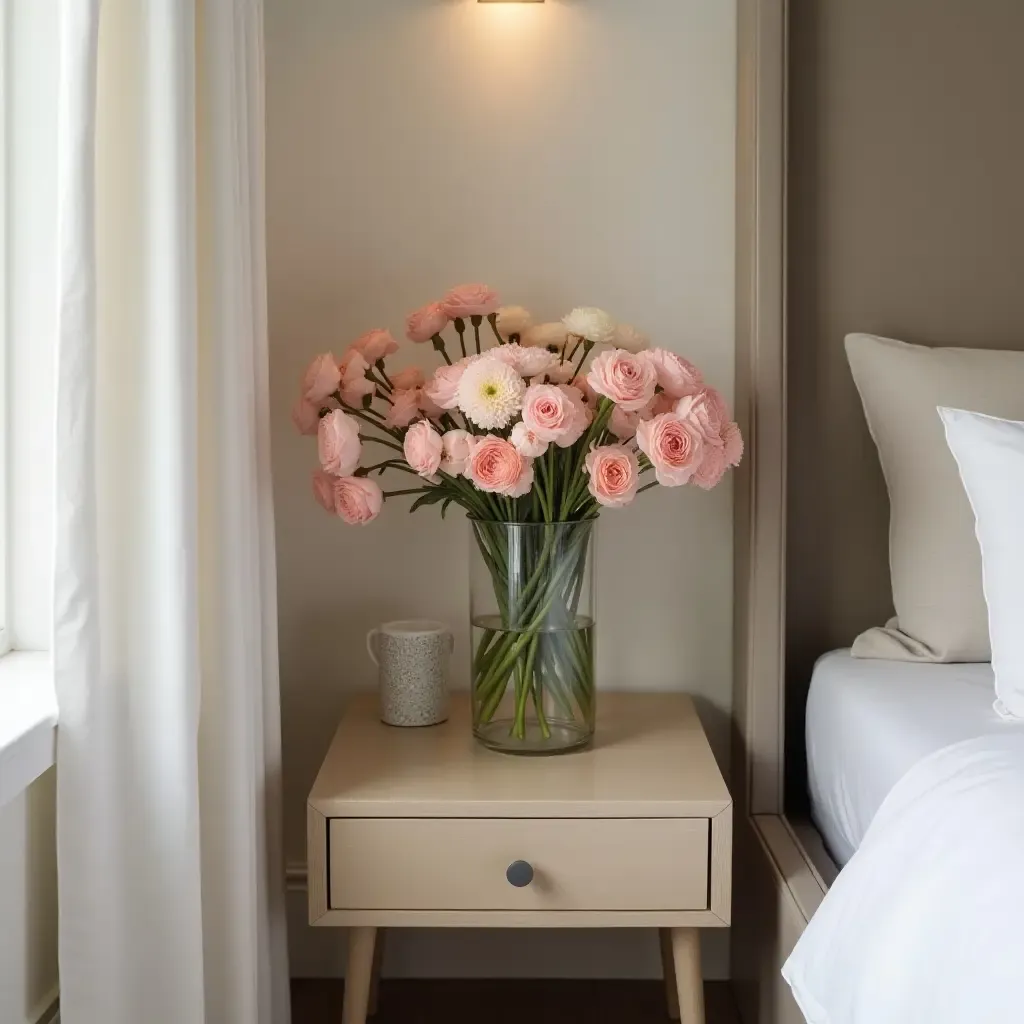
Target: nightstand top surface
[[650, 759]]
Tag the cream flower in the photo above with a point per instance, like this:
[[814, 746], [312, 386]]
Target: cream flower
[[550, 336], [513, 320], [491, 393], [630, 339], [527, 362], [593, 324]]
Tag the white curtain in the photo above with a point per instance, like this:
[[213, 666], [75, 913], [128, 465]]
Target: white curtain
[[165, 642]]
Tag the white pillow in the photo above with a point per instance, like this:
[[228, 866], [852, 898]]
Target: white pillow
[[990, 454]]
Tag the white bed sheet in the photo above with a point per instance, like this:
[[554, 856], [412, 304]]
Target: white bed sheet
[[869, 722]]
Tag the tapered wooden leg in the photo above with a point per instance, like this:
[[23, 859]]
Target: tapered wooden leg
[[689, 982], [359, 974], [378, 959], [668, 972]]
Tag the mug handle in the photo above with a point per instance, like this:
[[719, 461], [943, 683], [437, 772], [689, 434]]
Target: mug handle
[[370, 638]]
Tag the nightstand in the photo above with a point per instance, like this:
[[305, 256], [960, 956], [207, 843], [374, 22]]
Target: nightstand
[[411, 828]]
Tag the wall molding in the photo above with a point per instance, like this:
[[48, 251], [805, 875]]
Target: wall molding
[[296, 876]]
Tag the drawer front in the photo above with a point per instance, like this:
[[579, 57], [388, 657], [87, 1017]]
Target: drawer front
[[461, 864]]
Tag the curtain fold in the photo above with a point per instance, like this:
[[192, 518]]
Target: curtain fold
[[165, 643]]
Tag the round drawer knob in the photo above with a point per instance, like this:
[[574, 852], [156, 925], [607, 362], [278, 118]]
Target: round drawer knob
[[519, 874]]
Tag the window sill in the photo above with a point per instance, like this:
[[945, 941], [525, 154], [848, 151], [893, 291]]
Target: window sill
[[28, 720]]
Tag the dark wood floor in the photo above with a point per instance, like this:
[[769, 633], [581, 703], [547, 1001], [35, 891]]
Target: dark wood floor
[[507, 1002]]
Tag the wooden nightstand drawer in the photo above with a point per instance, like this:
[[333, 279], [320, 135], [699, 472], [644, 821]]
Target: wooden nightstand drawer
[[460, 864]]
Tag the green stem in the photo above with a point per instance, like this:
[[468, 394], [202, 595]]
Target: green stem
[[647, 487], [398, 494], [460, 329], [439, 347], [492, 319], [476, 321]]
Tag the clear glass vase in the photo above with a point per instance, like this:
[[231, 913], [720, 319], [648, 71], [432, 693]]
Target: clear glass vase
[[532, 615]]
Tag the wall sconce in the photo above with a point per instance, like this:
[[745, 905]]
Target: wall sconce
[[510, 1]]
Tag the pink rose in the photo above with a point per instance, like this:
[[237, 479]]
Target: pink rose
[[321, 379], [405, 407], [426, 322], [338, 443], [375, 345], [470, 300], [357, 500], [527, 442], [712, 468], [707, 410], [614, 475], [676, 375], [628, 380], [423, 449], [411, 377], [732, 440], [527, 362], [323, 489], [590, 396], [661, 402], [443, 387], [584, 415], [548, 413], [428, 407], [495, 465], [673, 445], [355, 385], [306, 417], [623, 424], [455, 452]]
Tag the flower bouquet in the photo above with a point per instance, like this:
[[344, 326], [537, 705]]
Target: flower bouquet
[[532, 429]]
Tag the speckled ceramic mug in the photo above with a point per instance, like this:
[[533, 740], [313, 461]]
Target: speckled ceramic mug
[[412, 657]]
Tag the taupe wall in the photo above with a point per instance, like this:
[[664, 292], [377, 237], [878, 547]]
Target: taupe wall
[[571, 152], [906, 193]]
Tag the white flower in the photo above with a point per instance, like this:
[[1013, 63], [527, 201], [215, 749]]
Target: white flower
[[593, 324], [513, 320], [528, 362], [630, 339], [549, 336], [491, 393], [527, 442]]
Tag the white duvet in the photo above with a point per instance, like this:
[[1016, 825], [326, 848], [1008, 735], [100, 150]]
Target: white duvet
[[925, 924]]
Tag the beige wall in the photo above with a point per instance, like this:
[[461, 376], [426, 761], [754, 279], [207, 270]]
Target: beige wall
[[906, 219], [28, 904], [569, 153]]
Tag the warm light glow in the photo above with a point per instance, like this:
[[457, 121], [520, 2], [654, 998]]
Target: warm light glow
[[510, 1]]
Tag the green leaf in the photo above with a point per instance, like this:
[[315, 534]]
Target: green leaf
[[430, 498], [444, 507]]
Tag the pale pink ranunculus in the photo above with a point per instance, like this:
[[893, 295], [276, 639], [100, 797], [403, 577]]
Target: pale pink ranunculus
[[426, 322], [321, 378], [455, 452], [527, 362], [429, 407], [443, 387], [495, 465], [623, 424], [527, 442], [676, 376], [306, 417], [375, 345], [557, 373], [357, 500], [583, 418], [423, 449], [628, 380], [712, 467], [338, 443], [732, 441], [673, 445], [323, 489], [708, 411], [590, 396], [614, 475], [525, 481], [405, 407], [410, 377], [548, 413], [470, 300], [355, 385]]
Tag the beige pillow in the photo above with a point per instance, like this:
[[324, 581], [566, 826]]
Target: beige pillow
[[934, 558]]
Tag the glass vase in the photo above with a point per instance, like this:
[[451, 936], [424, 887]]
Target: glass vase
[[532, 617]]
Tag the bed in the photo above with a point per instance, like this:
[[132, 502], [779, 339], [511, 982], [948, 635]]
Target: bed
[[868, 722]]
